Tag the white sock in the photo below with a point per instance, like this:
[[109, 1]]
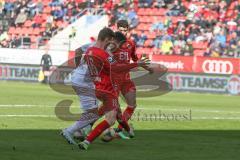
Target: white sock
[[85, 119]]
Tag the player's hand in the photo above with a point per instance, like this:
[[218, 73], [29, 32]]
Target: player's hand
[[143, 62], [149, 69]]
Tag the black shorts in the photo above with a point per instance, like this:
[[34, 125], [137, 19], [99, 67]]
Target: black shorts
[[46, 68]]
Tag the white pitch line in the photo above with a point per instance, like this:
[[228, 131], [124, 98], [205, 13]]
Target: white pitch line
[[148, 118], [23, 115], [138, 108], [19, 105]]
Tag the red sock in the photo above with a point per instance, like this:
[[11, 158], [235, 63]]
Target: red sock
[[97, 131], [122, 122], [127, 114], [101, 110]]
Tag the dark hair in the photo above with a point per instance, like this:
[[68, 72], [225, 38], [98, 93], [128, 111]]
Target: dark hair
[[105, 33], [122, 23], [119, 37]]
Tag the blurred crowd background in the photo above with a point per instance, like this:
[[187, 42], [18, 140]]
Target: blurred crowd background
[[167, 27]]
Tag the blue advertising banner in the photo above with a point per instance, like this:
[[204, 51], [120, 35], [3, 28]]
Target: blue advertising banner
[[205, 83], [192, 82]]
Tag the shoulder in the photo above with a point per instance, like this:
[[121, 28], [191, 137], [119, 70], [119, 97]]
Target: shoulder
[[131, 42], [93, 51]]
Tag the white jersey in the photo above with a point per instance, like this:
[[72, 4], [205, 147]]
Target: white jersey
[[83, 84], [81, 76]]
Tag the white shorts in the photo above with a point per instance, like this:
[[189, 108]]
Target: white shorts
[[87, 97], [84, 87]]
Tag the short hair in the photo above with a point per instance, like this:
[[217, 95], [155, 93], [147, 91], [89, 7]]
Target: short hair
[[122, 23], [119, 37], [105, 33]]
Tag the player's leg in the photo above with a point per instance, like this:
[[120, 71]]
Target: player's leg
[[111, 105], [128, 91], [90, 113]]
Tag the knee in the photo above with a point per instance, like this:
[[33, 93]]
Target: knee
[[111, 122], [111, 117]]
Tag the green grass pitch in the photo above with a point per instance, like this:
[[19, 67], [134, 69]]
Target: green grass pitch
[[175, 126]]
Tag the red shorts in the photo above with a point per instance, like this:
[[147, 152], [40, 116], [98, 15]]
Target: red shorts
[[125, 86], [110, 101]]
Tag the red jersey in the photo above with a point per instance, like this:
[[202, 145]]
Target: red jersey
[[123, 56], [102, 66], [98, 62]]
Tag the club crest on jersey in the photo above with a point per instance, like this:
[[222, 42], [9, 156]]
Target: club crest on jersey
[[129, 46], [111, 59]]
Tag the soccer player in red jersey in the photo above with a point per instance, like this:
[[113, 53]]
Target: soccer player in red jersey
[[100, 64], [126, 86]]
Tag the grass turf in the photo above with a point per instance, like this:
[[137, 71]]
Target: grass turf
[[29, 128]]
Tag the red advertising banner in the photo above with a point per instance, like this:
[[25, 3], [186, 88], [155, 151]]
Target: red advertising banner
[[217, 65], [198, 64], [174, 63], [71, 56]]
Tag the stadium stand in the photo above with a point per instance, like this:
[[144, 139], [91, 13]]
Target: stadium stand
[[187, 27], [170, 27], [28, 23]]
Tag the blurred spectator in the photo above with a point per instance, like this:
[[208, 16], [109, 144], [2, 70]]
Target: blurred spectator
[[3, 36], [142, 39], [15, 41], [156, 26], [157, 42], [134, 36], [1, 6], [176, 9], [207, 53], [39, 7], [233, 41], [167, 46], [49, 21], [145, 3], [221, 39], [37, 21], [57, 13], [108, 6], [159, 3], [188, 50], [132, 19], [167, 22], [4, 44], [232, 25], [8, 7], [21, 18], [238, 49], [179, 45], [48, 33], [56, 3], [31, 8]]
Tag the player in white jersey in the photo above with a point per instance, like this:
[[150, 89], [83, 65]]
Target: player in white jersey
[[85, 89]]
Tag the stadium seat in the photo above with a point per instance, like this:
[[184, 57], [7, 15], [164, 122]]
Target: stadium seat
[[148, 43], [152, 35], [12, 31], [198, 52], [47, 10], [161, 12], [19, 31], [141, 12], [36, 31], [199, 45], [28, 23], [33, 39]]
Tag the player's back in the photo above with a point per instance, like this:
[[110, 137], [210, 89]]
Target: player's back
[[98, 62]]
